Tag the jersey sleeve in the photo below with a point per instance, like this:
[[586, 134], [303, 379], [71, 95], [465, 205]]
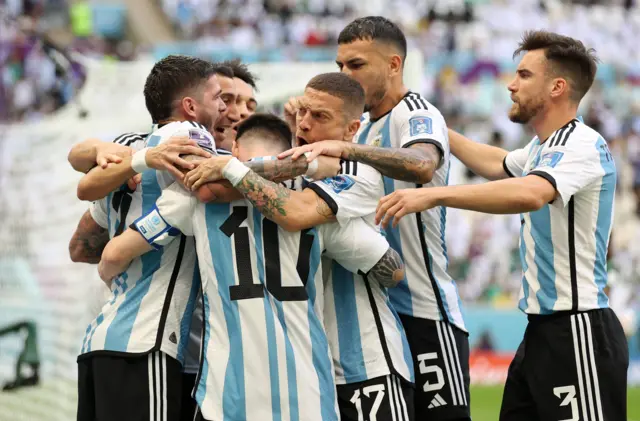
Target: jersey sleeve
[[170, 217], [423, 126], [356, 245], [569, 167], [353, 193], [98, 211]]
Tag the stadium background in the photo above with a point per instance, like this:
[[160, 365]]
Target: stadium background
[[74, 69]]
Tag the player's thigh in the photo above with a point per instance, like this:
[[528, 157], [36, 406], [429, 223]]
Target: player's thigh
[[386, 398], [586, 360], [189, 404], [144, 388], [517, 401], [440, 354]]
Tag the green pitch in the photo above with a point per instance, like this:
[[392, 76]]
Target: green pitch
[[485, 403]]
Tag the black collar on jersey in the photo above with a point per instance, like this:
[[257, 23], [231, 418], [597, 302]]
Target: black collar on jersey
[[561, 135], [373, 120]]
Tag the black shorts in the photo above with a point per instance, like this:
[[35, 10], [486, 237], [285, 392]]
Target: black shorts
[[569, 367], [129, 388], [189, 404], [440, 353], [386, 398]]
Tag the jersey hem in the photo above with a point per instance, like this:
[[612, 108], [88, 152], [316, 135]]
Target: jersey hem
[[547, 177], [506, 168], [122, 354], [453, 324]]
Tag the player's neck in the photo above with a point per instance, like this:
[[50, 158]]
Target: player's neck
[[551, 120], [390, 100]]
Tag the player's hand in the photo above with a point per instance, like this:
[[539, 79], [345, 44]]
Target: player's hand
[[291, 109], [108, 153], [133, 182], [335, 148], [167, 155], [206, 172], [328, 166], [403, 202]]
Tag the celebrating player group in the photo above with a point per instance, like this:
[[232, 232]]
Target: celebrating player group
[[263, 268]]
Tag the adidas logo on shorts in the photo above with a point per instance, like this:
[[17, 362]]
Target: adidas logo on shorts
[[437, 401]]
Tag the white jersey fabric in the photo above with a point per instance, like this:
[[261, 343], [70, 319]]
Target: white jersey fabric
[[563, 246], [151, 302], [428, 291], [265, 353], [365, 333]]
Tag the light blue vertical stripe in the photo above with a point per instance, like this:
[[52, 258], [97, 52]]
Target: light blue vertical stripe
[[319, 343], [119, 331], [362, 139], [406, 349], [292, 378], [112, 229], [201, 387], [443, 225], [524, 303], [603, 225], [187, 316], [547, 295], [272, 347], [349, 338], [233, 395]]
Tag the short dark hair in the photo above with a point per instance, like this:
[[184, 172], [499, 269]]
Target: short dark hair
[[269, 127], [568, 58], [170, 78], [341, 86], [375, 28], [220, 69], [241, 71]]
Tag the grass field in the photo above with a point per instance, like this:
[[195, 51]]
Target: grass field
[[485, 403], [57, 403]]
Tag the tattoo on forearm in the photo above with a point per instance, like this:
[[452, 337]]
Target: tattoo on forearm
[[323, 209], [400, 164], [279, 169], [88, 241], [389, 270], [268, 197]]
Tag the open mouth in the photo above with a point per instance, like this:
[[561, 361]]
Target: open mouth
[[301, 141]]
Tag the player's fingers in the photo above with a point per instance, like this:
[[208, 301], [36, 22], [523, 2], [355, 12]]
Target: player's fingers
[[177, 161], [131, 183], [313, 154], [199, 182], [382, 207], [391, 212], [193, 150], [114, 158], [180, 140], [287, 153], [398, 216], [175, 172], [102, 162]]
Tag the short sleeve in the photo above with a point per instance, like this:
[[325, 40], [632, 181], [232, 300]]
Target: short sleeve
[[569, 167], [423, 126], [356, 245], [353, 193], [515, 161], [171, 216], [98, 211]]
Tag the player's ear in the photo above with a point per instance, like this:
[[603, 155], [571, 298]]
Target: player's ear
[[235, 150], [559, 87], [188, 107], [395, 64], [352, 129]]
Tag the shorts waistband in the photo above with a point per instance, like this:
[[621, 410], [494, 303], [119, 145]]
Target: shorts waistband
[[559, 314]]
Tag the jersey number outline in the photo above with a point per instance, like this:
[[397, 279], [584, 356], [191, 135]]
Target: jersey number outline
[[246, 288], [366, 391], [427, 369], [569, 399]]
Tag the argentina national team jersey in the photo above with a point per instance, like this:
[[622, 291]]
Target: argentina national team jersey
[[428, 291], [563, 245], [265, 353], [365, 333], [151, 302]]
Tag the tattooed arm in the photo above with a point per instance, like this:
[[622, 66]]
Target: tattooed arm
[[292, 210], [415, 164], [389, 270], [88, 241]]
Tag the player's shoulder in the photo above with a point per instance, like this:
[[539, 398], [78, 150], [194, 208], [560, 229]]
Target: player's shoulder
[[190, 129], [574, 135], [129, 138], [359, 171], [420, 113]]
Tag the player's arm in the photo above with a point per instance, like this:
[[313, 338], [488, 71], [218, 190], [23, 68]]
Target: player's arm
[[160, 226], [91, 152], [99, 182], [360, 248], [204, 178], [484, 160], [88, 241]]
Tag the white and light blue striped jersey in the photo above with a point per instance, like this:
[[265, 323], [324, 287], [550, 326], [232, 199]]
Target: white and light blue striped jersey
[[152, 301], [427, 291], [563, 245], [365, 333], [265, 352]]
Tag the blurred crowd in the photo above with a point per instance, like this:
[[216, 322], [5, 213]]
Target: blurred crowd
[[467, 46]]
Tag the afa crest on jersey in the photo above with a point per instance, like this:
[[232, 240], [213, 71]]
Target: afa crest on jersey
[[340, 183], [550, 160], [420, 125], [377, 140], [203, 139]]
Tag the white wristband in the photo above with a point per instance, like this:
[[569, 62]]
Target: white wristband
[[139, 161], [235, 171], [312, 167]]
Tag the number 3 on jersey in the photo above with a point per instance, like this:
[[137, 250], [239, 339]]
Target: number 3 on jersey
[[246, 288]]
